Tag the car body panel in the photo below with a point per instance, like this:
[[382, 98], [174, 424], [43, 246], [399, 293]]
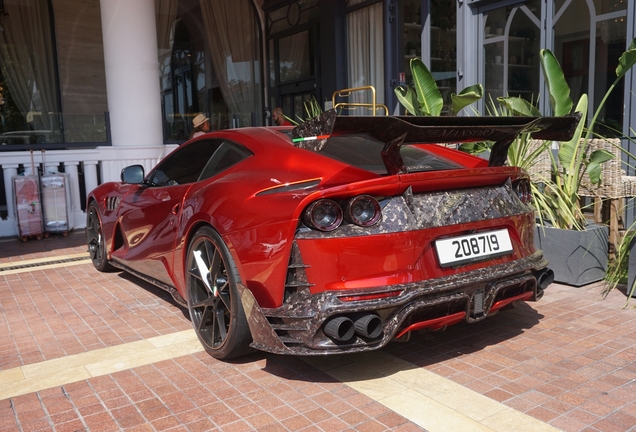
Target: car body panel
[[149, 218]]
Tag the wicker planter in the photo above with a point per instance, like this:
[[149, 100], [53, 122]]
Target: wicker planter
[[577, 257]]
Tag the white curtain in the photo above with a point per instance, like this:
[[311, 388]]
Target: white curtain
[[294, 56], [166, 14], [365, 52], [28, 65], [233, 43]]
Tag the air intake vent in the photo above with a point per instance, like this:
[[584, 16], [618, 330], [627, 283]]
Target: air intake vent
[[296, 281], [478, 302]]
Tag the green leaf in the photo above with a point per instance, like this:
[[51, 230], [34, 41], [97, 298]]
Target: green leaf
[[428, 95], [475, 148], [519, 106], [408, 99], [597, 158], [557, 85], [467, 96], [627, 60], [571, 152]]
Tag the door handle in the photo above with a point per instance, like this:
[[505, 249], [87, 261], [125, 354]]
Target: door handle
[[175, 209]]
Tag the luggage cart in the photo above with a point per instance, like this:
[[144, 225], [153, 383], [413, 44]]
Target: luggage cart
[[56, 201], [26, 195]]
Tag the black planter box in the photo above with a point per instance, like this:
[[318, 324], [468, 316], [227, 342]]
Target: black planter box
[[577, 257]]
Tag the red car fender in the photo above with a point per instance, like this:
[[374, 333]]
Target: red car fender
[[109, 210]]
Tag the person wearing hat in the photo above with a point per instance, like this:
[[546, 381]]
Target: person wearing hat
[[279, 117], [201, 125]]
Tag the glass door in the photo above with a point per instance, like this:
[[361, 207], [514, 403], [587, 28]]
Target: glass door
[[511, 37], [293, 53]]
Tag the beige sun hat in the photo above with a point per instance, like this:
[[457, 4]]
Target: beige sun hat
[[199, 119]]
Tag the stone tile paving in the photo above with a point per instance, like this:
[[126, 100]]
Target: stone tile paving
[[13, 249], [52, 313], [569, 359]]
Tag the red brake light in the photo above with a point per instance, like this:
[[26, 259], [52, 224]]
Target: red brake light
[[323, 215], [523, 190], [363, 210]]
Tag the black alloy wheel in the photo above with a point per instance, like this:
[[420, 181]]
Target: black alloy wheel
[[214, 303], [95, 239]]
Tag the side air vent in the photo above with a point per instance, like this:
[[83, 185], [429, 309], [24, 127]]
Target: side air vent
[[296, 282], [112, 203]]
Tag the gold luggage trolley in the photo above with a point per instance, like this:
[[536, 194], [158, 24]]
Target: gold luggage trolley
[[372, 106]]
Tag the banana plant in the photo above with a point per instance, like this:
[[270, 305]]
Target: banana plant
[[425, 99], [573, 157], [558, 199]]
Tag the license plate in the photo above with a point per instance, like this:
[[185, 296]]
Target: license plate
[[473, 247]]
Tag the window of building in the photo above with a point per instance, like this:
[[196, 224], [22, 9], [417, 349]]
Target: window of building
[[511, 37], [365, 52], [209, 58], [435, 42], [293, 52], [589, 38], [29, 110], [443, 46], [44, 67]]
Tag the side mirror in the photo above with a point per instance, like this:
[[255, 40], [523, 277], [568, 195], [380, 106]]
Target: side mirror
[[133, 174]]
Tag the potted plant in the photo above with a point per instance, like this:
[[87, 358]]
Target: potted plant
[[622, 270], [425, 99], [577, 250]]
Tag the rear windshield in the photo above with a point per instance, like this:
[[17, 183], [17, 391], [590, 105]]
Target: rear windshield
[[364, 151]]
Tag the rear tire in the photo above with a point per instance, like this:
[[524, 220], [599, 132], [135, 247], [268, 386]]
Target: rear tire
[[214, 303]]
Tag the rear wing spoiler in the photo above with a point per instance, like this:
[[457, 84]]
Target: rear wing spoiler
[[394, 131]]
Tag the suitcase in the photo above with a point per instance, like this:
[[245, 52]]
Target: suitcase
[[56, 201], [26, 195]]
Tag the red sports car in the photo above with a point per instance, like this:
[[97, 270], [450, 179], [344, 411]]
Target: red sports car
[[335, 236]]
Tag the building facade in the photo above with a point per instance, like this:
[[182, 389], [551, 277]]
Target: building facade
[[101, 84]]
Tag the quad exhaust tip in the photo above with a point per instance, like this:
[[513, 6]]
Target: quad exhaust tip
[[342, 329], [369, 326], [545, 278]]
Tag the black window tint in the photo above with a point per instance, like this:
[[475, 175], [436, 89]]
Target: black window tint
[[418, 159], [225, 156], [185, 164], [364, 151]]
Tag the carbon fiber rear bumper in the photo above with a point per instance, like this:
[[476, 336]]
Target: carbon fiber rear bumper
[[297, 327]]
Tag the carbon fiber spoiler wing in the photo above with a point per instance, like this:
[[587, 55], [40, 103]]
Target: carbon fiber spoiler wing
[[394, 131]]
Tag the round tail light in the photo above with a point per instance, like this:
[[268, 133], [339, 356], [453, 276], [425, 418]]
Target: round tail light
[[363, 210], [523, 190], [323, 215]]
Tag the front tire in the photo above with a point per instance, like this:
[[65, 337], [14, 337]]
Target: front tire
[[95, 239], [214, 303]]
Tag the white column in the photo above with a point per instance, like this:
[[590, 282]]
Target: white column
[[132, 72]]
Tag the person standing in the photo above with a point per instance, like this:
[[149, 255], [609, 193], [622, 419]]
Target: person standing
[[279, 118], [201, 125]]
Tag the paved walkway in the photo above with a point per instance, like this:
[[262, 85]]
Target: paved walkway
[[83, 350]]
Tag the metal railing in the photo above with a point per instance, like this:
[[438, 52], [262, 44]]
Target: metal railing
[[372, 106]]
